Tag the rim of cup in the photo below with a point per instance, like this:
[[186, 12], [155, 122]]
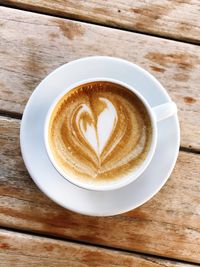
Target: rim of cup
[[124, 180]]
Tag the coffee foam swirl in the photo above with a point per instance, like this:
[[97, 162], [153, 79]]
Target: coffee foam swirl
[[99, 131]]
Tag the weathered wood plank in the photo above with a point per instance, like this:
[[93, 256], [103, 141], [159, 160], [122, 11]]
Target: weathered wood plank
[[168, 225], [178, 19], [18, 249], [32, 45]]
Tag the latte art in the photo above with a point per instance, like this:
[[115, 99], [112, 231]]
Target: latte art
[[96, 130], [99, 132]]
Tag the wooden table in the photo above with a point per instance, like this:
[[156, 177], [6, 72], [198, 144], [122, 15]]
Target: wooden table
[[38, 36]]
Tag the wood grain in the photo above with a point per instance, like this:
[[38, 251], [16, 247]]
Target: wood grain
[[178, 19], [32, 45], [168, 225], [24, 250]]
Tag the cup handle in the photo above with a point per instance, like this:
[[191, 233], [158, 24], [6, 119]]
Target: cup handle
[[164, 111]]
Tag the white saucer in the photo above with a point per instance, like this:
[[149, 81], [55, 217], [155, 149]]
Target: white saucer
[[52, 183]]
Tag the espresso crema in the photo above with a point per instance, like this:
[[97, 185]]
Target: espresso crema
[[99, 132]]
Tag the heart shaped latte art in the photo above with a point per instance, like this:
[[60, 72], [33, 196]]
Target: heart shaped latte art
[[99, 132], [96, 130]]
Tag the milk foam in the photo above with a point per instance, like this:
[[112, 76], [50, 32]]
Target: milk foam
[[106, 122], [99, 132]]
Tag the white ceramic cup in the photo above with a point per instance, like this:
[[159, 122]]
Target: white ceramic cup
[[156, 114]]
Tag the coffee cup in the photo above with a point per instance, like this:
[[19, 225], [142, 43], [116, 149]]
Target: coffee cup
[[101, 134]]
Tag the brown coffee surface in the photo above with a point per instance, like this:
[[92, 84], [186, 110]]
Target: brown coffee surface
[[99, 132]]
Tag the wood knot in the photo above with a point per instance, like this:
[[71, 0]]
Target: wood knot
[[69, 29], [189, 100]]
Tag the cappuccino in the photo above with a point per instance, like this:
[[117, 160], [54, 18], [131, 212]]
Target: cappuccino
[[99, 132]]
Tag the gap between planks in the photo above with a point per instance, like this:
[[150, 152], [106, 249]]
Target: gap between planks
[[17, 116], [187, 41]]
